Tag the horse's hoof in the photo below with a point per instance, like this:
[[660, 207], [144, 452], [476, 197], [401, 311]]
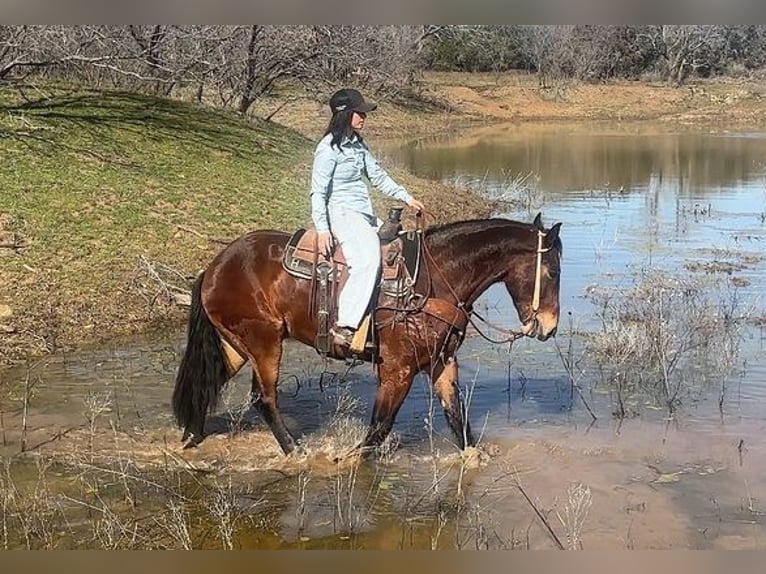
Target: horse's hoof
[[290, 446]]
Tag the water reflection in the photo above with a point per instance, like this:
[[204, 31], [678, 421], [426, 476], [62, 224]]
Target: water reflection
[[596, 156]]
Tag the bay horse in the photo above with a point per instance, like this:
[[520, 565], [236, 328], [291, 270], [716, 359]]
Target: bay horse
[[245, 304]]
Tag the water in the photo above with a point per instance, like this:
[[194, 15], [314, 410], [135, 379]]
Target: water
[[630, 199]]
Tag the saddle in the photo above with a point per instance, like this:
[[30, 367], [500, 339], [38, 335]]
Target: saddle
[[400, 261], [400, 253]]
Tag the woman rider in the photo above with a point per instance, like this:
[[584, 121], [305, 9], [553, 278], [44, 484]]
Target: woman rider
[[341, 207]]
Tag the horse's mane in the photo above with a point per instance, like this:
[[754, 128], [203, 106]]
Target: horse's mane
[[445, 232], [449, 233], [475, 225]]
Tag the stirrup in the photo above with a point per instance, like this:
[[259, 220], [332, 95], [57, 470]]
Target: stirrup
[[342, 335]]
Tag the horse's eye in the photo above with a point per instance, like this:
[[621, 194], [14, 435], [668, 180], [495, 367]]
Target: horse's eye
[[553, 272]]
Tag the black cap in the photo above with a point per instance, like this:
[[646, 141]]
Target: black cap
[[350, 99]]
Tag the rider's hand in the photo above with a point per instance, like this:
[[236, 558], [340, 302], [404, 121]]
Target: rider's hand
[[416, 205], [324, 243]]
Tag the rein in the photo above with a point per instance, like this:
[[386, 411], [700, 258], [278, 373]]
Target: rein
[[511, 335]]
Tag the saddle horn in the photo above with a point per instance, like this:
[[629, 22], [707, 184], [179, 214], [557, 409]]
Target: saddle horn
[[392, 226]]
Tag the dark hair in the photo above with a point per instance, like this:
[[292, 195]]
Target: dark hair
[[340, 127]]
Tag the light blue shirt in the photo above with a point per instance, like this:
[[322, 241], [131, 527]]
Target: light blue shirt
[[336, 180]]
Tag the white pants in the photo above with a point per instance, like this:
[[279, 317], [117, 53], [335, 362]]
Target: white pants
[[357, 234]]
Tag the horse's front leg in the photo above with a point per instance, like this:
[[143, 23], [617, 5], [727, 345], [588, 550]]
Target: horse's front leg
[[393, 386], [444, 377]]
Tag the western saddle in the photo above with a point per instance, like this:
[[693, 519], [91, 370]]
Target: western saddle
[[401, 254]]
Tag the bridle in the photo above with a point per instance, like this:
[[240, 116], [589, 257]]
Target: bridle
[[511, 335]]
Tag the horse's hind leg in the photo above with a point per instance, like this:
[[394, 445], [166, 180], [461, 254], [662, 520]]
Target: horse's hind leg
[[264, 346], [445, 381], [393, 387]]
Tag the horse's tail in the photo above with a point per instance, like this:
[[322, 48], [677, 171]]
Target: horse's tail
[[202, 373]]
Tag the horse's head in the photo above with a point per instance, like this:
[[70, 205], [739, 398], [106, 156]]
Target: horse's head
[[534, 282]]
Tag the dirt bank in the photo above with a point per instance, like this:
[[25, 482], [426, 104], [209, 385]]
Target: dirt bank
[[458, 99]]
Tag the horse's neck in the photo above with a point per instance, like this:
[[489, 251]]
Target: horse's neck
[[467, 269]]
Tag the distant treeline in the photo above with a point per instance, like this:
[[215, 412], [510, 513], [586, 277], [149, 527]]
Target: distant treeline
[[233, 66], [591, 53]]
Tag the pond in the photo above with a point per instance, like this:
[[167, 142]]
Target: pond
[[649, 214], [630, 198]]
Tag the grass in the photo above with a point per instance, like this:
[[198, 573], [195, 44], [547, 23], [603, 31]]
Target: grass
[[97, 179]]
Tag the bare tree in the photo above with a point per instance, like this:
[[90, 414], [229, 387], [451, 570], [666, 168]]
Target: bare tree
[[30, 49], [477, 49], [236, 65], [384, 59], [544, 47], [601, 52], [685, 50], [150, 40], [271, 53]]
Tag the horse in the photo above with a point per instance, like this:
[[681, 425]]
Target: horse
[[244, 304]]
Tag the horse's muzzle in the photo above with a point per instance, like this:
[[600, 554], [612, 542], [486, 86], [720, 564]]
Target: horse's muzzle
[[535, 329]]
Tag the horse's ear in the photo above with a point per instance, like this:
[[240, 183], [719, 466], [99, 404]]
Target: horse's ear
[[553, 233], [538, 222]]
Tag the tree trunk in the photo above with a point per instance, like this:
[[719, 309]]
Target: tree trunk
[[251, 68]]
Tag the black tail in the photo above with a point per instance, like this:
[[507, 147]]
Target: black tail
[[202, 373]]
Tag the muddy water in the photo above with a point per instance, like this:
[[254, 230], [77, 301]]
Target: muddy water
[[690, 202]]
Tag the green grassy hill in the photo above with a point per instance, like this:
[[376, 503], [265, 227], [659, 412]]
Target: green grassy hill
[[95, 183]]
